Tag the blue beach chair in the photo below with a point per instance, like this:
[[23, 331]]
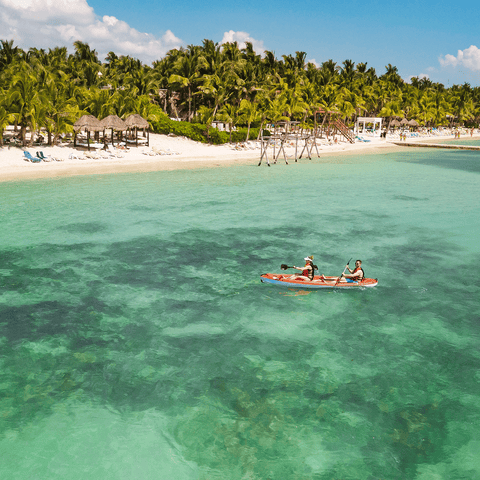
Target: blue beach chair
[[29, 157]]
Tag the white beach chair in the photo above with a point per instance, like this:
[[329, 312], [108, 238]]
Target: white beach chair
[[150, 153], [159, 151], [111, 149]]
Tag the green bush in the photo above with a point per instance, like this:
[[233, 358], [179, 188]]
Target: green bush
[[195, 131], [198, 131], [217, 137], [163, 124], [240, 135]]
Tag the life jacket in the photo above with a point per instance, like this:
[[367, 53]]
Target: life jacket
[[355, 271], [309, 272]]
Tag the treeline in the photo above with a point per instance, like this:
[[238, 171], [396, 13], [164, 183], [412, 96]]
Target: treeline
[[201, 84]]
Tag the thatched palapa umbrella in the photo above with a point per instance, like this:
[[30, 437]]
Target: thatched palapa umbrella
[[114, 122], [413, 123], [394, 123], [136, 121], [403, 121], [87, 123]]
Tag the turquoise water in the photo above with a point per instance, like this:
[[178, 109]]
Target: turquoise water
[[464, 140], [137, 342]]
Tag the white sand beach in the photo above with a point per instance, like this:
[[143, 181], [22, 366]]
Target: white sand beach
[[178, 153]]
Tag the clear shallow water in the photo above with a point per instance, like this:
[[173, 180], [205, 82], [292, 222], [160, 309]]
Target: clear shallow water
[[465, 140], [136, 340]]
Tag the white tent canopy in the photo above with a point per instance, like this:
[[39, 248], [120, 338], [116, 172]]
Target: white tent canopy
[[363, 121]]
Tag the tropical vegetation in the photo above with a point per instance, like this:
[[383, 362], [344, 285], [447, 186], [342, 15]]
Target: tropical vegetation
[[48, 90]]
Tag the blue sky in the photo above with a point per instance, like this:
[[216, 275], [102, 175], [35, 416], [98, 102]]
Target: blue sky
[[438, 39]]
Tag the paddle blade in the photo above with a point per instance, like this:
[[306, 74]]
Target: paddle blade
[[284, 267]]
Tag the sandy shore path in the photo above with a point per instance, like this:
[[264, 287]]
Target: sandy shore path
[[183, 153]]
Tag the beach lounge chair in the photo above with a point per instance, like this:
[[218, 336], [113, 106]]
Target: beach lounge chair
[[112, 151], [48, 158], [45, 158], [171, 152], [151, 153], [158, 151], [361, 139], [75, 156], [29, 158]]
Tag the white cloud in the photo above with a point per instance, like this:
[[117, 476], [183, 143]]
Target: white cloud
[[468, 58], [52, 23], [420, 76], [242, 38], [52, 11], [312, 60]]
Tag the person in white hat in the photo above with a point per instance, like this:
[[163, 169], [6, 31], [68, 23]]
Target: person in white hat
[[308, 271]]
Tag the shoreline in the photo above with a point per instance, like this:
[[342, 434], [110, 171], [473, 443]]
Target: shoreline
[[183, 154]]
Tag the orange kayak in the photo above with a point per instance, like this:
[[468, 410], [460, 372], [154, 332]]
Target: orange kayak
[[316, 283]]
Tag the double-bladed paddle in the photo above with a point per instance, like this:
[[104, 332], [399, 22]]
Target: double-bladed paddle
[[284, 267], [338, 279]]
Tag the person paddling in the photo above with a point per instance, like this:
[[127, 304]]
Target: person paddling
[[356, 275], [308, 271]]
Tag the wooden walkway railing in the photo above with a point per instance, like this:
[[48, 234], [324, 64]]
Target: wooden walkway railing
[[344, 130]]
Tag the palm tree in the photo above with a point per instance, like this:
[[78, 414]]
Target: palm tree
[[269, 64], [348, 74], [273, 109], [6, 118], [330, 98], [248, 113], [476, 102], [350, 103], [84, 65], [228, 114], [462, 102], [206, 116], [187, 72], [9, 54], [96, 102], [217, 89], [392, 76], [328, 73], [213, 58], [292, 69], [144, 107], [26, 99], [295, 106], [426, 110]]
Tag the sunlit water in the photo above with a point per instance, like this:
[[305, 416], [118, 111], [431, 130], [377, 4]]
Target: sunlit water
[[465, 140], [137, 342]]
